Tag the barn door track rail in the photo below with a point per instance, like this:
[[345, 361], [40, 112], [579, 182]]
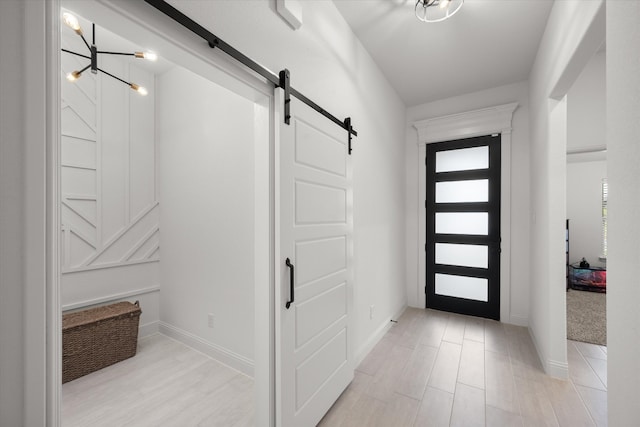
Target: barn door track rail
[[281, 80]]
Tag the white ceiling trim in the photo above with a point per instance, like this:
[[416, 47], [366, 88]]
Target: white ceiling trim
[[465, 125]]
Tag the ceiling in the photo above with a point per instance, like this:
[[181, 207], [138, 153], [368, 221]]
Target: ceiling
[[488, 43]]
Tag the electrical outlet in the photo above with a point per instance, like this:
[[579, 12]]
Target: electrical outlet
[[371, 309], [210, 320]]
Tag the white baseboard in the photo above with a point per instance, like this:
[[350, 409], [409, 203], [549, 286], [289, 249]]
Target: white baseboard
[[148, 329], [371, 342], [541, 357], [519, 320], [551, 367], [221, 354], [557, 369], [399, 313]]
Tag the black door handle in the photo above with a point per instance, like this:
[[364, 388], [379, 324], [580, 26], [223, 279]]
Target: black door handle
[[291, 281]]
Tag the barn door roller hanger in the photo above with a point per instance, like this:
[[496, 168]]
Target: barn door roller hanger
[[281, 80]]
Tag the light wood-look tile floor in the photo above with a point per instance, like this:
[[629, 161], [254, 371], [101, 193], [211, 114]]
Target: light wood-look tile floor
[[439, 369], [165, 384], [431, 369]]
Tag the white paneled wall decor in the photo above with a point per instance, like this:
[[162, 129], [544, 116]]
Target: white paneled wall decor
[[109, 209]]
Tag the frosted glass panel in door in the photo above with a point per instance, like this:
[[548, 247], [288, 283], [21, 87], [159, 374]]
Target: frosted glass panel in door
[[474, 288], [462, 255], [462, 159], [474, 190], [474, 223]]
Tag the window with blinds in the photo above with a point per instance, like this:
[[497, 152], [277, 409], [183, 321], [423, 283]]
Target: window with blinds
[[605, 196]]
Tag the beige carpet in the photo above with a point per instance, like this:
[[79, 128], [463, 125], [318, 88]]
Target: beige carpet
[[587, 317]]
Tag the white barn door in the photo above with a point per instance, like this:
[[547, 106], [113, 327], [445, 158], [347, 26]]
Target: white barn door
[[314, 357]]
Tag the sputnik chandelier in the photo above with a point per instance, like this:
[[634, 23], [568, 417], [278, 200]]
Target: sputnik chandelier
[[436, 10], [72, 22]]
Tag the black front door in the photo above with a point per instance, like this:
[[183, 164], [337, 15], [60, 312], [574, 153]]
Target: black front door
[[463, 226]]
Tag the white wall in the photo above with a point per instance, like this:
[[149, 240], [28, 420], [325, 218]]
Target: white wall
[[109, 210], [568, 43], [206, 139], [584, 210], [586, 107], [329, 65], [517, 92], [11, 201], [623, 164]]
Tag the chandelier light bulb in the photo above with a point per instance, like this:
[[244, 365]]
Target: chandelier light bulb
[[72, 22], [444, 3], [140, 89], [149, 56], [73, 76]]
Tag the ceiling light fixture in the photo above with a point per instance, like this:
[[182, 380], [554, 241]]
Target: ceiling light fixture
[[436, 10], [72, 22]]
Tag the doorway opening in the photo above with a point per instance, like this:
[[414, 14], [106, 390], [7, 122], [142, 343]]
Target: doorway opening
[[463, 226], [587, 194], [471, 124], [586, 204], [166, 199]]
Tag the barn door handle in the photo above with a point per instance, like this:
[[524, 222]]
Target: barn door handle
[[291, 281]]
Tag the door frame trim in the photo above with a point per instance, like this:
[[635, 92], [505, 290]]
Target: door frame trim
[[468, 124]]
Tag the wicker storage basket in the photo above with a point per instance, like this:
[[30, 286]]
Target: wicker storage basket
[[98, 337]]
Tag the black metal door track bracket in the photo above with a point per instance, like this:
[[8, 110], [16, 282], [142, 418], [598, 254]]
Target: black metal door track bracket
[[347, 125], [285, 84]]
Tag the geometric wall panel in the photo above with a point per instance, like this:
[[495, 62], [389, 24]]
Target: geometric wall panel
[[110, 215]]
